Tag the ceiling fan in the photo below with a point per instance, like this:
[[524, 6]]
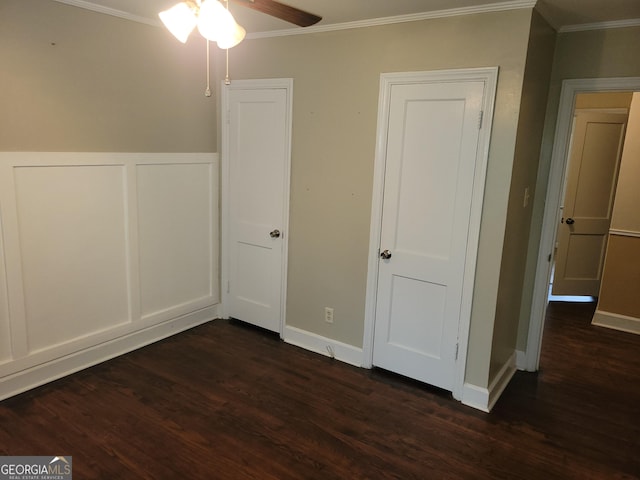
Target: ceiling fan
[[281, 11], [216, 24]]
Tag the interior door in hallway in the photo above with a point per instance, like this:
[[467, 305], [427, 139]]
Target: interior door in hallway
[[431, 154], [257, 145], [592, 174]]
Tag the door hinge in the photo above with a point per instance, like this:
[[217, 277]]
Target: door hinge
[[480, 119], [228, 286], [549, 258], [457, 348]]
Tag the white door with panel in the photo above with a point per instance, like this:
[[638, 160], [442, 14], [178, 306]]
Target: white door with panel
[[432, 148], [257, 145], [592, 175]]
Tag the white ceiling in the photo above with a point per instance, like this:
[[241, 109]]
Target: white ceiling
[[560, 13]]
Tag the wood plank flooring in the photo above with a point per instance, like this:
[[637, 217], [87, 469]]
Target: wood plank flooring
[[225, 401]]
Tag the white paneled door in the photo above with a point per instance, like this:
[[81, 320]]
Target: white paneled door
[[256, 159], [431, 155], [594, 161]]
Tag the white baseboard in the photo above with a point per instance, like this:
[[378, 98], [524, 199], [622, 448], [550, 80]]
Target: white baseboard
[[39, 375], [616, 321], [485, 398], [324, 346], [475, 397], [521, 360]]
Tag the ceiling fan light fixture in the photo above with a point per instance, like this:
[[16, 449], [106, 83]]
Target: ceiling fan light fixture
[[213, 20], [230, 37], [180, 20]]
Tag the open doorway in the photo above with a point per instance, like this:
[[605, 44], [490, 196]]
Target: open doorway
[[554, 199], [591, 173]]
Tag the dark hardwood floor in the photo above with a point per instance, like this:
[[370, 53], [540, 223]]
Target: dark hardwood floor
[[231, 402]]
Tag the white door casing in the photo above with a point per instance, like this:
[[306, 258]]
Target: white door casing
[[591, 183], [431, 157], [256, 139]]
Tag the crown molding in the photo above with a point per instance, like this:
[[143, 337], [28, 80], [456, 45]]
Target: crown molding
[[633, 22], [111, 11], [412, 17]]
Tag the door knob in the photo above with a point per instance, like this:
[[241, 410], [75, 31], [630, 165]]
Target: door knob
[[570, 221], [385, 254], [274, 233]]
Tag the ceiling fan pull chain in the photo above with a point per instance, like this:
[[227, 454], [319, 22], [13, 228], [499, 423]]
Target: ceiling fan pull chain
[[227, 81], [207, 92]]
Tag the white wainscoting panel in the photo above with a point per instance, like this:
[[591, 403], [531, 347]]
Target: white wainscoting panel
[[101, 253], [175, 211], [72, 227], [5, 332]]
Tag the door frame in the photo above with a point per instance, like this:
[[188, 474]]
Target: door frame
[[489, 76], [553, 200], [254, 84]]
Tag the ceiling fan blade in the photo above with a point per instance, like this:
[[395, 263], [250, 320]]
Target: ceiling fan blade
[[282, 11]]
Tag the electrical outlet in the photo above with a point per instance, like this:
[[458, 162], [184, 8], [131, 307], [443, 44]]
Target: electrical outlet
[[328, 314]]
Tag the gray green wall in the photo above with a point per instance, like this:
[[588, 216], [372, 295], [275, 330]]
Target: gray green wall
[[336, 84], [75, 80], [525, 168]]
